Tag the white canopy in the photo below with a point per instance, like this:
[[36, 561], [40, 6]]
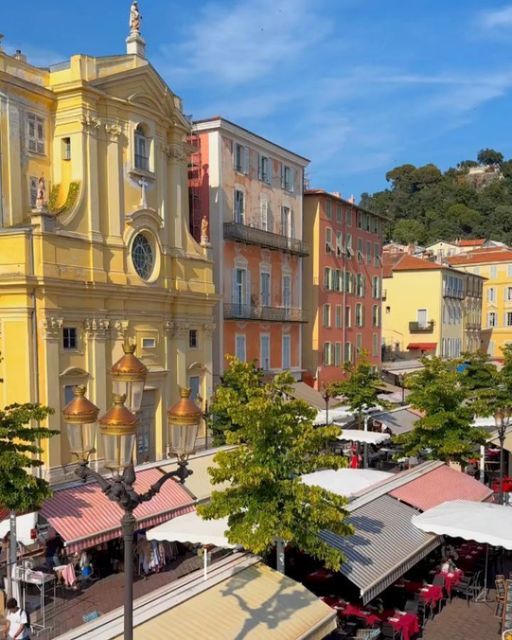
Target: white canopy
[[368, 437], [192, 528], [345, 482], [336, 414], [24, 526], [480, 521]]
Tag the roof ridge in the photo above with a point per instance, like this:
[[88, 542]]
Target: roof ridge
[[385, 486]]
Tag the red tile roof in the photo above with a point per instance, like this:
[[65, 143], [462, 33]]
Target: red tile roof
[[422, 346], [440, 485], [480, 257], [411, 263], [470, 242], [84, 516]]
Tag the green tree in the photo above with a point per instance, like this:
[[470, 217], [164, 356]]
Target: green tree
[[467, 220], [426, 195], [479, 372], [444, 429], [266, 502], [407, 231], [360, 388], [489, 156], [19, 450], [237, 379]]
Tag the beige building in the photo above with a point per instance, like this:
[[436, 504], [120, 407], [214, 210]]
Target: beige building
[[94, 241], [429, 309]]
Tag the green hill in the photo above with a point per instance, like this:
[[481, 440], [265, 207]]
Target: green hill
[[473, 200]]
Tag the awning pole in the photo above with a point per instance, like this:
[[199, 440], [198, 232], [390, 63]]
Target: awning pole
[[482, 596], [482, 463]]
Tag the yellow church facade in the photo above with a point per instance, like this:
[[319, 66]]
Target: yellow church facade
[[94, 243]]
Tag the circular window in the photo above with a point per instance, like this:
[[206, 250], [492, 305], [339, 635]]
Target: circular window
[[143, 256]]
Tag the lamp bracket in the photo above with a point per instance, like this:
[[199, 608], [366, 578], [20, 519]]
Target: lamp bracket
[[120, 489]]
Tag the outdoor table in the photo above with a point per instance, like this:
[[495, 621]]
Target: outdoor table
[[412, 586], [507, 485], [320, 576], [358, 612], [431, 594], [334, 602], [451, 579], [407, 623]]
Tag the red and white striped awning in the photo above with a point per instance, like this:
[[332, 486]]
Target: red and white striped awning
[[84, 516]]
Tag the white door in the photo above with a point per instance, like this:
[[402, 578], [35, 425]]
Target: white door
[[422, 317]]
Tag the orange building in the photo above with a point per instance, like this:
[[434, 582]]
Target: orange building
[[342, 286], [247, 202]]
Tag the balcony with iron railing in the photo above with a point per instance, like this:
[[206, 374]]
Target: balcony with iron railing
[[268, 239], [235, 311], [421, 327]]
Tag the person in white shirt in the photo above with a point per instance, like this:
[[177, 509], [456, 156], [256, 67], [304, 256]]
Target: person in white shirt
[[17, 621], [447, 566]]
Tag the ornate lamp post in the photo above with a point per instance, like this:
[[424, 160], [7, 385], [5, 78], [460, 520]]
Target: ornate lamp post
[[502, 417], [118, 428], [128, 378]]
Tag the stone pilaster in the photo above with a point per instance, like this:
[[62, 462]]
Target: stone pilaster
[[49, 369]]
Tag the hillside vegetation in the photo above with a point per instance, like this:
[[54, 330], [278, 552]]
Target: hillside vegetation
[[473, 200]]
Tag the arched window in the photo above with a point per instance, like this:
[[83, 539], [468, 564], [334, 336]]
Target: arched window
[[141, 149]]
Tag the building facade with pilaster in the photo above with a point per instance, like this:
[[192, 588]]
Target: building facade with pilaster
[[94, 241], [248, 193], [342, 286]]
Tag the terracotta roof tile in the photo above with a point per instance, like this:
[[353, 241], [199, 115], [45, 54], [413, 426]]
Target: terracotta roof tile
[[411, 263], [480, 257], [439, 486], [470, 242]]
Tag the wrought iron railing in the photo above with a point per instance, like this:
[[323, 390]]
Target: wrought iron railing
[[234, 311], [421, 327], [268, 239]]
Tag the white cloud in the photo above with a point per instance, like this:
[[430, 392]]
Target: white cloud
[[496, 19], [239, 43]]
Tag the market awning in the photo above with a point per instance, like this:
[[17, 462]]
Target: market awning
[[438, 486], [345, 482], [84, 516], [368, 437], [257, 603], [199, 484], [336, 414], [25, 524], [422, 346], [302, 391], [385, 545], [192, 528], [398, 421], [482, 522]]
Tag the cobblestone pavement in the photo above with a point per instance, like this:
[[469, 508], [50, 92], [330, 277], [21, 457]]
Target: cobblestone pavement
[[457, 621]]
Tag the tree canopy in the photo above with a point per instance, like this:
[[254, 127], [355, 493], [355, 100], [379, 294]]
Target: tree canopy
[[360, 388], [444, 398], [425, 205], [19, 447], [265, 500], [238, 377]]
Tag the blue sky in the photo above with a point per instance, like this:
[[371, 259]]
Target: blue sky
[[357, 86]]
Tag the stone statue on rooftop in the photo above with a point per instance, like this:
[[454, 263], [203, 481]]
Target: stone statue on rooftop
[[135, 17]]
